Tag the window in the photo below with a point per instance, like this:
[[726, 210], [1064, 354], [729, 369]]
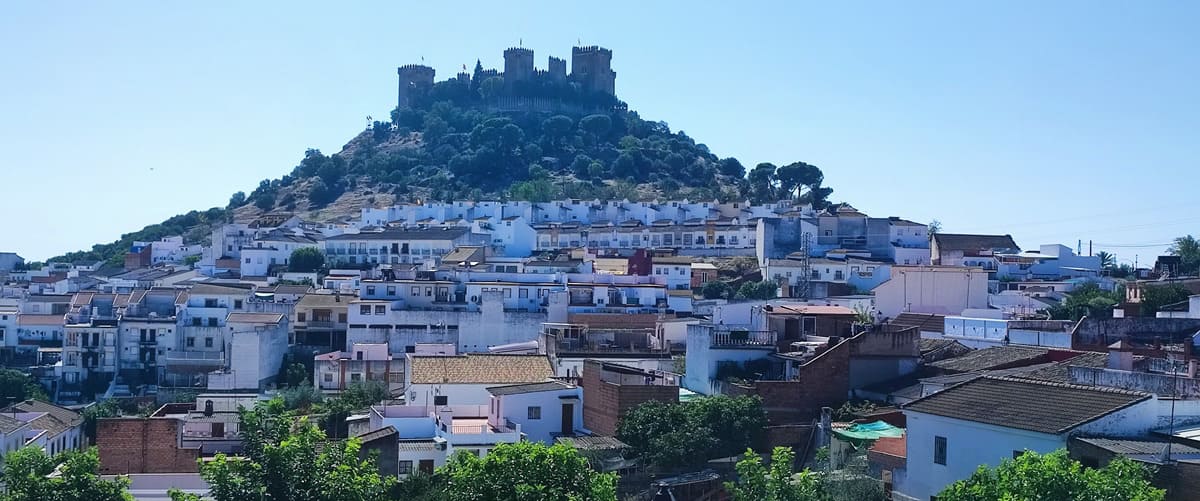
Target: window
[[523, 293], [342, 318], [191, 341], [355, 377], [195, 321], [328, 377], [237, 304], [247, 260], [370, 290], [405, 467], [507, 293], [415, 291], [391, 290], [208, 342], [534, 412], [939, 450], [300, 317], [364, 309], [381, 309], [212, 321]]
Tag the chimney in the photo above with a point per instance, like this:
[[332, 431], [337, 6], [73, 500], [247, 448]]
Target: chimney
[[1120, 356]]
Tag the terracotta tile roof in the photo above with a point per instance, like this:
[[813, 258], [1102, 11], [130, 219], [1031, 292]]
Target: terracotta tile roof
[[999, 357], [1061, 372], [972, 243], [927, 322], [480, 368], [1025, 404]]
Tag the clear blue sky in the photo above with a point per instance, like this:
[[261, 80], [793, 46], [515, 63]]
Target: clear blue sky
[[1052, 121]]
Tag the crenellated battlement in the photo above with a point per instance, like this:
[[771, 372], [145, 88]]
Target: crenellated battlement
[[590, 68]]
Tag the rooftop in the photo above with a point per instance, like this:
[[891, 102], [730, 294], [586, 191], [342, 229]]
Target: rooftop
[[964, 242], [480, 368], [517, 389], [1144, 450], [1025, 404], [448, 233], [998, 357], [254, 318]]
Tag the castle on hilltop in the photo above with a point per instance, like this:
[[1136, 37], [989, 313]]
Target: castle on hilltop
[[591, 69]]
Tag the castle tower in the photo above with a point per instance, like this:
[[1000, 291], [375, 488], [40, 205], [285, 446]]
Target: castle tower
[[412, 76], [591, 66], [518, 65], [557, 69]]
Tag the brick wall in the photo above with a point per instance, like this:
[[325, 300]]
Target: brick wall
[[822, 382], [143, 445], [605, 403]]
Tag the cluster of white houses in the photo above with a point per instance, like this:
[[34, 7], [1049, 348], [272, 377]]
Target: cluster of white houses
[[492, 322]]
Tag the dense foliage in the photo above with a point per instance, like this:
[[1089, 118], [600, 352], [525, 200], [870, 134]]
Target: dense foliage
[[16, 386], [757, 482], [195, 227], [1187, 248], [306, 260], [1087, 299], [1155, 297], [668, 435], [28, 477], [288, 458], [527, 471], [1055, 476]]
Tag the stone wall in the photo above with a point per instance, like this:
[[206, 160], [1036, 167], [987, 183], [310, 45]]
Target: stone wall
[[1098, 333], [143, 445]]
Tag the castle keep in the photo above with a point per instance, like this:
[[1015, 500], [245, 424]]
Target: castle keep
[[591, 68]]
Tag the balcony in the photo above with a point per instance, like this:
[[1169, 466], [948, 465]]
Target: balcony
[[192, 358], [735, 338]]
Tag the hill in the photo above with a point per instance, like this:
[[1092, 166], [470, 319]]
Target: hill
[[479, 139]]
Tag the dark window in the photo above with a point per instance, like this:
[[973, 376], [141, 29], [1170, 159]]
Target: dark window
[[237, 304], [441, 400], [405, 467], [208, 342], [212, 321], [300, 317], [191, 341], [939, 450], [534, 412]]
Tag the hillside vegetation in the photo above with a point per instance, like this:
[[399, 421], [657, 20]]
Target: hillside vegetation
[[460, 140]]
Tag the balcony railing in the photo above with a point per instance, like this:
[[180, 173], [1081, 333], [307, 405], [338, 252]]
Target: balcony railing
[[194, 358], [743, 338]]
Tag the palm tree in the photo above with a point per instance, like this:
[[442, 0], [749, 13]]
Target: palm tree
[[1107, 260]]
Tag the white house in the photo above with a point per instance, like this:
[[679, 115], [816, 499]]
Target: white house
[[465, 379], [988, 419], [256, 345], [52, 428], [544, 410], [676, 271], [396, 246], [429, 435], [12, 435], [944, 290]]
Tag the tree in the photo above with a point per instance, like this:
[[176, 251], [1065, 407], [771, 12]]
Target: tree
[[319, 193], [27, 477], [756, 482], [732, 167], [16, 386], [1107, 260], [1055, 476], [1154, 297], [670, 435], [934, 227], [356, 396], [716, 290], [596, 125], [287, 458], [762, 183], [765, 289], [306, 260], [1087, 299], [1187, 248], [237, 200], [527, 471], [92, 413]]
